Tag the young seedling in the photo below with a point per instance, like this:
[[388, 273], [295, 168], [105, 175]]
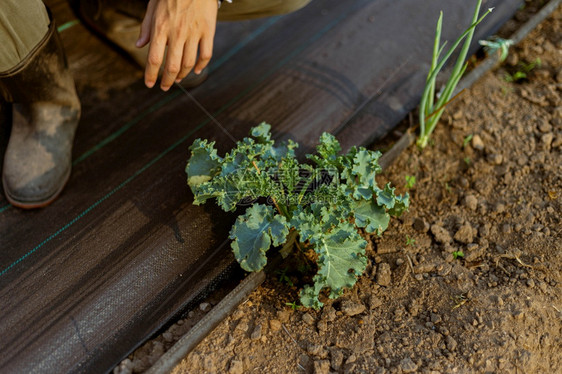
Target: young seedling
[[410, 241], [523, 72], [283, 277], [315, 210], [459, 300], [495, 44], [410, 182], [458, 254], [293, 305], [466, 140], [467, 161], [431, 111]]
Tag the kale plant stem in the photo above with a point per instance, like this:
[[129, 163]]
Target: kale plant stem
[[272, 198]]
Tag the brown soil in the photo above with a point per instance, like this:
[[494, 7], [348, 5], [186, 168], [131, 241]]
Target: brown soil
[[418, 308]]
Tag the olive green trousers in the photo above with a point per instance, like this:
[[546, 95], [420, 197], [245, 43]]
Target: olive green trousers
[[23, 23]]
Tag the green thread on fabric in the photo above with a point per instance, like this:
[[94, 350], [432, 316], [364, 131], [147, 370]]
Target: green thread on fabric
[[67, 25]]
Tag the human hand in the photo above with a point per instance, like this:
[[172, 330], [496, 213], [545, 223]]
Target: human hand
[[184, 26]]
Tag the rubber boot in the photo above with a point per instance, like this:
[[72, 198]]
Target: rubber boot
[[120, 21], [46, 110]]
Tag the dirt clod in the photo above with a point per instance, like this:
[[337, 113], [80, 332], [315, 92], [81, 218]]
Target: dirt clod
[[471, 202], [275, 325], [477, 143], [408, 366], [256, 333], [465, 234], [351, 308], [236, 367], [321, 367], [441, 234], [308, 319], [420, 225], [205, 307], [384, 274]]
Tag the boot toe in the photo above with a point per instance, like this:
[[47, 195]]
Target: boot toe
[[37, 192]]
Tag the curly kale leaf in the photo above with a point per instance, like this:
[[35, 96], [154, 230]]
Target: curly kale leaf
[[269, 154], [254, 232], [401, 205], [366, 167], [203, 165], [395, 204], [340, 253], [327, 150], [371, 216]]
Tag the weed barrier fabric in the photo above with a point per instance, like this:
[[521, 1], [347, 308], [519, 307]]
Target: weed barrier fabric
[[123, 250]]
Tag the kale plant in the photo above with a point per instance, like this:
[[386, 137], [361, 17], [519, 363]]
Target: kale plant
[[320, 206]]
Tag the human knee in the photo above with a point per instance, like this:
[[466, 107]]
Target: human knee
[[290, 6]]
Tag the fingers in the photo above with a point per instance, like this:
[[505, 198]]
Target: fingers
[[144, 36], [188, 61], [205, 53], [173, 65], [184, 27], [155, 57]]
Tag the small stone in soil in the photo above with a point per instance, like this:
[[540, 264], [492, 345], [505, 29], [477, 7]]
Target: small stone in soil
[[336, 358], [374, 301], [308, 319], [321, 367], [420, 225], [408, 366], [499, 208], [236, 367], [242, 326], [384, 274], [283, 315], [464, 234], [256, 334], [484, 230], [473, 252], [547, 140], [314, 349], [506, 228], [275, 325], [435, 318], [495, 159], [329, 314], [477, 143], [205, 307], [544, 126], [441, 234], [351, 308], [471, 202], [451, 343]]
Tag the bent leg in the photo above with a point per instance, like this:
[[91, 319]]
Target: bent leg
[[247, 9], [23, 24]]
